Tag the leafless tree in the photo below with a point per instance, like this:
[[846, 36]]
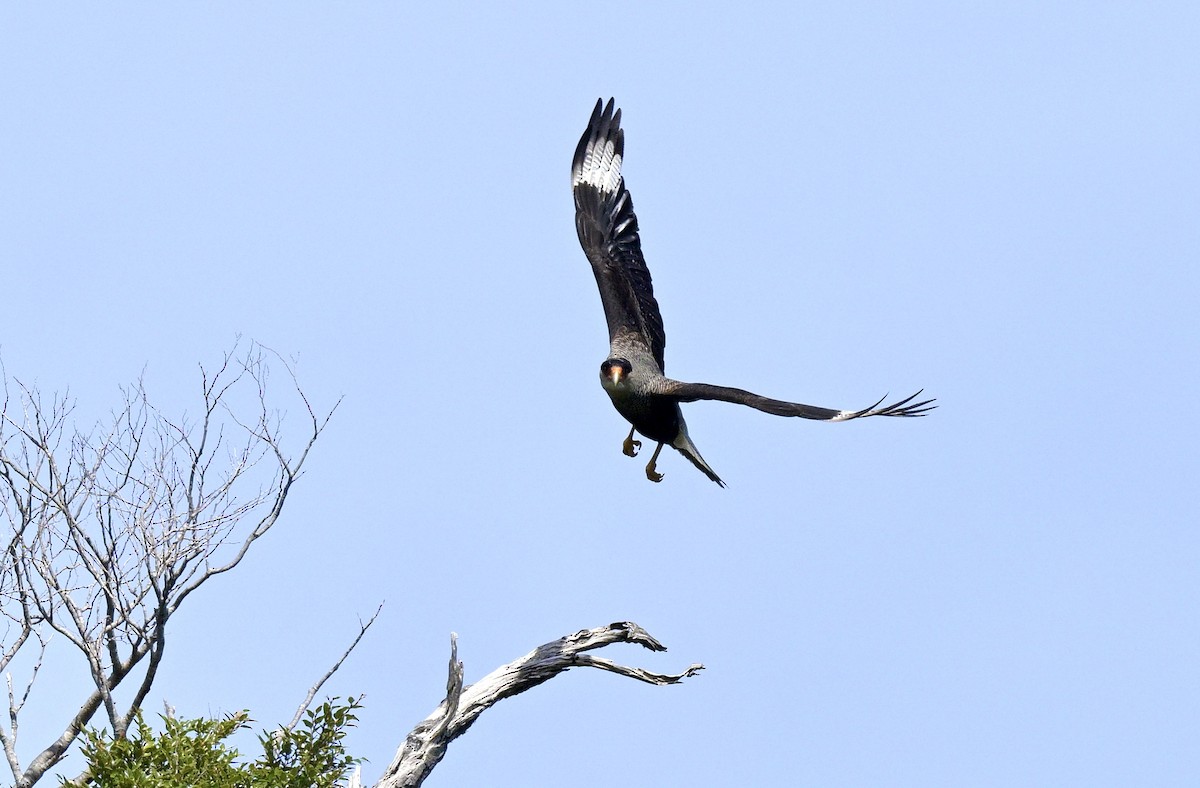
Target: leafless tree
[[112, 528]]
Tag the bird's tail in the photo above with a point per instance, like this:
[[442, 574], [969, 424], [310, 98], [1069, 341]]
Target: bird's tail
[[683, 444]]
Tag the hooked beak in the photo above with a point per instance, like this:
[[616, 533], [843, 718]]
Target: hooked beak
[[616, 374]]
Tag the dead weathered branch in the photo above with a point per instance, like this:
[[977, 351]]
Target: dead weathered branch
[[426, 745]]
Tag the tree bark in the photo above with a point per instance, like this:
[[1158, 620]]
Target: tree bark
[[425, 746]]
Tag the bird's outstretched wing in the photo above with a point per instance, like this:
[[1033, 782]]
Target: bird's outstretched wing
[[608, 232], [690, 392]]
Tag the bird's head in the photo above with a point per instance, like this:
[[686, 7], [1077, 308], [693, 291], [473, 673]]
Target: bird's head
[[614, 372]]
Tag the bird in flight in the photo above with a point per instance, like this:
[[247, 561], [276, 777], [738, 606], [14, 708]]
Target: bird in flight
[[633, 372]]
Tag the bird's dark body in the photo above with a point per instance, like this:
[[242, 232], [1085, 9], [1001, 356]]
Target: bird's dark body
[[632, 375], [657, 418]]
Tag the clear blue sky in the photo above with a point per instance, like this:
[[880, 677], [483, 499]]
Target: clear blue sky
[[998, 202]]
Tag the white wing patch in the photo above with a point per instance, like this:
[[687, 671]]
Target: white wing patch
[[601, 168]]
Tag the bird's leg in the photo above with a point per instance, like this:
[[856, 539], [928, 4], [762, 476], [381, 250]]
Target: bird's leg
[[630, 446], [650, 473]]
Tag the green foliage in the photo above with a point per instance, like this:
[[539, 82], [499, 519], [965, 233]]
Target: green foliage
[[195, 753], [312, 754]]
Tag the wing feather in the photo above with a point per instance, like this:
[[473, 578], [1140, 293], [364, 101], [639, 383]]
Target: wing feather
[[690, 392], [608, 232]]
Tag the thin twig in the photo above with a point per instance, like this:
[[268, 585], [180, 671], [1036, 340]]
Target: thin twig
[[312, 692]]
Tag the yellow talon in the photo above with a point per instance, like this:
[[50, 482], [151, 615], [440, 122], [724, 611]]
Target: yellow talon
[[650, 472], [630, 446]]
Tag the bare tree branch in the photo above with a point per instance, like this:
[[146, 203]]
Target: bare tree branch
[[426, 745], [113, 527], [315, 688]]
